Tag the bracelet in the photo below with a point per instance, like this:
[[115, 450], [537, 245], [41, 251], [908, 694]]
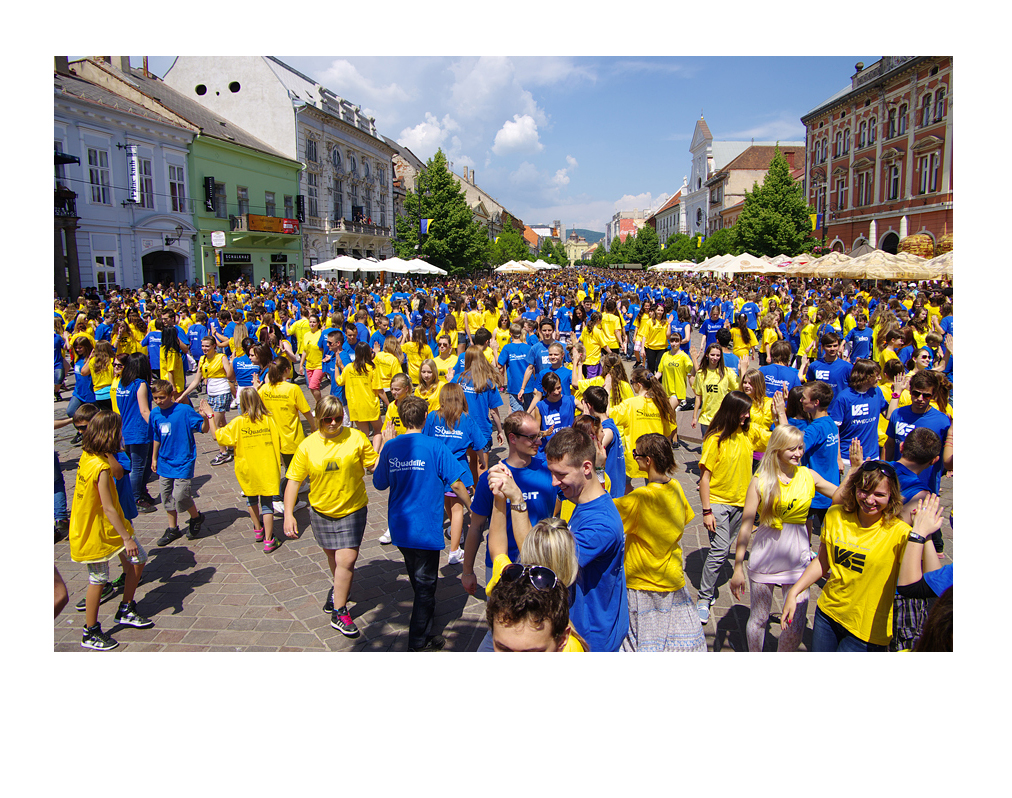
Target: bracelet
[[708, 512], [895, 395], [913, 537]]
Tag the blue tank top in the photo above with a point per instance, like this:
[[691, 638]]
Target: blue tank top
[[135, 428]]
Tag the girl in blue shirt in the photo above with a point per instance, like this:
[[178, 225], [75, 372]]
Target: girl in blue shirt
[[480, 382]]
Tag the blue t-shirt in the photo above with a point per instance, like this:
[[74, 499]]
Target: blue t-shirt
[[124, 490], [153, 341], [708, 329], [779, 377], [904, 420], [940, 579], [458, 439], [479, 403], [538, 357], [244, 370], [910, 483], [558, 414], [614, 464], [856, 414], [514, 357], [600, 611], [58, 351], [751, 311], [103, 332], [535, 482], [378, 338], [565, 374], [836, 373], [194, 335], [135, 429], [731, 361], [83, 389], [177, 448], [822, 445], [860, 343], [418, 470]]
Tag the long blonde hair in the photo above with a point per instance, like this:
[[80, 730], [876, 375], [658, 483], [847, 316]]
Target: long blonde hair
[[550, 543], [251, 405], [783, 437], [479, 369]]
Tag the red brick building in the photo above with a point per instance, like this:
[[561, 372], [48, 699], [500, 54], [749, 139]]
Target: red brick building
[[878, 160]]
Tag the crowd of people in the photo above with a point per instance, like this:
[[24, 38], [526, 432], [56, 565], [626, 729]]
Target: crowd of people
[[824, 410]]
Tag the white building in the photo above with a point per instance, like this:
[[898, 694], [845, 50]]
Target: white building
[[134, 215], [347, 183]]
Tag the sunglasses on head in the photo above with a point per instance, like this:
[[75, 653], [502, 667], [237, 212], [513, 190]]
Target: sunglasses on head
[[879, 465], [541, 577]]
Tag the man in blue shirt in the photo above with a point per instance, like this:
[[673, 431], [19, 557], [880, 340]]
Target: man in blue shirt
[[382, 333], [919, 413], [418, 470], [538, 361], [731, 360], [830, 368], [751, 311], [859, 339], [778, 375], [708, 329], [513, 363]]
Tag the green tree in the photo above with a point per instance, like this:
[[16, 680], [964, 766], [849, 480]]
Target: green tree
[[681, 247], [775, 217], [599, 260], [509, 245], [556, 253], [616, 252], [648, 246], [720, 242], [454, 241]]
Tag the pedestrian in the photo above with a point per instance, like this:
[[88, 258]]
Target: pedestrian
[[215, 368]]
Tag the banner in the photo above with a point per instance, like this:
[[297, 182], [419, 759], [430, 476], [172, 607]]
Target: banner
[[133, 171], [424, 226]]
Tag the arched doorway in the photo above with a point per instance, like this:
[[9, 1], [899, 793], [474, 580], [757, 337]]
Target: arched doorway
[[163, 267], [890, 242]]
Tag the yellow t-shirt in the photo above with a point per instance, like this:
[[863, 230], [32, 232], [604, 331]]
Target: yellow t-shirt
[[432, 397], [501, 337], [212, 367], [285, 400], [592, 341], [654, 518], [299, 329], [730, 468], [170, 366], [309, 345], [713, 388], [739, 345], [257, 454], [443, 365], [336, 468], [394, 417], [760, 420], [610, 325], [415, 355], [654, 333], [635, 417], [573, 646], [674, 368], [770, 337], [360, 391], [386, 366], [100, 379], [885, 356], [93, 538], [864, 564], [806, 344]]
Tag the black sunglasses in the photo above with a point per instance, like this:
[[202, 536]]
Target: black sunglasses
[[879, 465], [542, 577]]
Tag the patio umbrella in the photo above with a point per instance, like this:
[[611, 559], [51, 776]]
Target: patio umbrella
[[820, 267], [344, 263], [862, 249], [942, 265], [879, 265], [513, 267], [419, 266]]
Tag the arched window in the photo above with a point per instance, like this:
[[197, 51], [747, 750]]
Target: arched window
[[892, 123], [838, 148], [872, 130], [335, 157], [862, 131], [353, 164], [926, 109], [846, 141], [939, 104], [365, 168], [903, 119]]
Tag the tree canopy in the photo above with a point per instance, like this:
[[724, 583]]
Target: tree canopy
[[775, 217]]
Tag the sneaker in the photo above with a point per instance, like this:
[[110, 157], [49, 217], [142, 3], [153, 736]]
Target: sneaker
[[258, 535], [95, 638], [456, 557], [194, 524], [704, 612], [60, 530], [221, 459], [328, 605], [145, 506], [128, 616], [341, 620], [271, 546], [117, 584], [385, 537], [107, 593], [435, 643], [235, 404], [76, 439], [279, 507], [170, 535]]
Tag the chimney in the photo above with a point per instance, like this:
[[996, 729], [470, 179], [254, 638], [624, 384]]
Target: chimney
[[465, 174], [472, 178], [146, 73], [62, 65], [123, 63]]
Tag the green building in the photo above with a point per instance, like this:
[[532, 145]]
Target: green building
[[240, 186]]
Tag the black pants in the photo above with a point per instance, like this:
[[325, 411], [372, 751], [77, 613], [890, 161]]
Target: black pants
[[287, 460], [422, 566], [654, 359]]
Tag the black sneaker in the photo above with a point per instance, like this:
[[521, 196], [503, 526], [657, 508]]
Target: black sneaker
[[117, 584], [328, 606], [221, 459], [169, 536], [128, 616], [60, 530], [107, 593], [144, 506], [194, 524], [341, 620], [76, 439], [435, 643], [95, 638]]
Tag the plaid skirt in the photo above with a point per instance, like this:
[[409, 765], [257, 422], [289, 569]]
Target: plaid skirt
[[338, 533], [663, 621]]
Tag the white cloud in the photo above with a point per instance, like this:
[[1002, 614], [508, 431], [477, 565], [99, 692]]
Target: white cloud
[[784, 128], [571, 161], [526, 174], [561, 178], [518, 136], [426, 137], [343, 78]]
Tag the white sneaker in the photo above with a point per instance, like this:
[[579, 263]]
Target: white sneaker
[[235, 404], [456, 557], [385, 537], [279, 508]]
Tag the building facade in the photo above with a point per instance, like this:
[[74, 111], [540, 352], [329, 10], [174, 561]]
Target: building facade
[[576, 247], [346, 184], [879, 154], [242, 188], [727, 186], [486, 211], [667, 220], [622, 224], [123, 212]]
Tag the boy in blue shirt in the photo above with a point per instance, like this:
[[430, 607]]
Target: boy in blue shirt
[[418, 470], [859, 340], [173, 456], [778, 375], [830, 367], [513, 365]]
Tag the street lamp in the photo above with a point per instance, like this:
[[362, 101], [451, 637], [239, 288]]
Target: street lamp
[[179, 234]]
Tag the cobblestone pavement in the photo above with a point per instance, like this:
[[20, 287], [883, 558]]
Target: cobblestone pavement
[[222, 593]]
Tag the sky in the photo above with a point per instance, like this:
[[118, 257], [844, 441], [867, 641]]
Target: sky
[[576, 138]]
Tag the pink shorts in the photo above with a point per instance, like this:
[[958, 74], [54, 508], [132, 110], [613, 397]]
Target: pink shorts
[[313, 378]]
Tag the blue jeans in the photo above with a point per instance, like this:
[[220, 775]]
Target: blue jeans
[[422, 566], [828, 635], [59, 492], [140, 468]]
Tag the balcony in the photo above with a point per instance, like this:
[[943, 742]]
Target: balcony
[[362, 228], [65, 203]]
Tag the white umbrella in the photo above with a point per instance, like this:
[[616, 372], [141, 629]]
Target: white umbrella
[[344, 263], [420, 266], [513, 267], [394, 265]]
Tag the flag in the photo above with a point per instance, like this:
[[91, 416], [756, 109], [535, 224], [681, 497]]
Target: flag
[[425, 226]]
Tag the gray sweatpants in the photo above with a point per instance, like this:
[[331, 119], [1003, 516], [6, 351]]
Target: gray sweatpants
[[728, 521]]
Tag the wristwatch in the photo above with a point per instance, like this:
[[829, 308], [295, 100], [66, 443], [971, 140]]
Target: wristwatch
[[521, 507], [913, 537]]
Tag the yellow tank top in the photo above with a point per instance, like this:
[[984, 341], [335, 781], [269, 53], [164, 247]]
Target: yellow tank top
[[795, 499]]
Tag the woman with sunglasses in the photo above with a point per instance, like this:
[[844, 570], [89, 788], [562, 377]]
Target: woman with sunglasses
[[860, 551], [335, 459], [661, 615]]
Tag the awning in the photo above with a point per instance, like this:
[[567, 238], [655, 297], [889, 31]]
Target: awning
[[62, 158]]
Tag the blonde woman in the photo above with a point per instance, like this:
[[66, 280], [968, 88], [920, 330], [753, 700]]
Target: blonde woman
[[429, 383], [480, 382]]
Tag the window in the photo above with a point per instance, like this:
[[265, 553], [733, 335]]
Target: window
[[865, 187], [838, 146], [147, 184], [98, 176], [872, 130], [105, 272], [338, 199], [242, 199], [311, 150], [903, 119], [841, 194], [354, 164], [382, 175], [894, 182], [892, 124], [926, 110], [220, 201], [269, 206], [289, 207], [313, 192], [59, 173], [862, 134], [365, 169], [846, 141], [939, 104], [177, 188], [928, 168], [368, 203], [335, 157]]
